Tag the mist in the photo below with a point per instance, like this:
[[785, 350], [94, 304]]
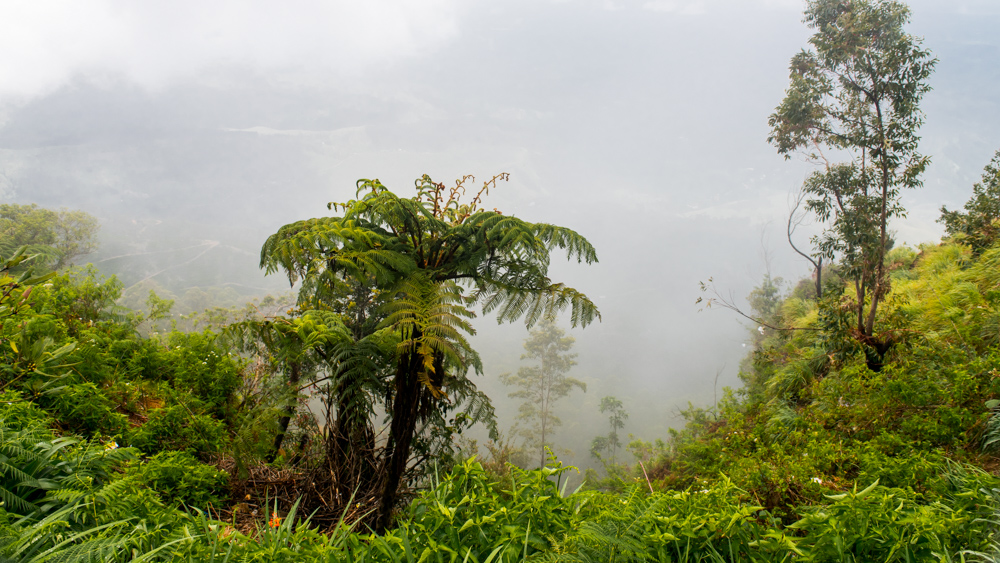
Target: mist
[[192, 133]]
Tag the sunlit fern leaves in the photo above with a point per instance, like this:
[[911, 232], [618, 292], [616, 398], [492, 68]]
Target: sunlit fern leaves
[[991, 434], [954, 299], [616, 536], [431, 319], [789, 379]]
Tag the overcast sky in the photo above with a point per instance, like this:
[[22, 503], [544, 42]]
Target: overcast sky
[[640, 124]]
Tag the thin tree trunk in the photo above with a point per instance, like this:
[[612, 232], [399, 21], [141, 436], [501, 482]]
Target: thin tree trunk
[[545, 420], [819, 279], [878, 290], [859, 289]]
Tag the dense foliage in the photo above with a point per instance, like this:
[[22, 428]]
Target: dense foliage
[[113, 445], [55, 238]]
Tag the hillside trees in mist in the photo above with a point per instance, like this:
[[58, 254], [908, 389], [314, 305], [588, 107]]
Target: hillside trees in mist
[[617, 415], [54, 238], [978, 224], [435, 257], [852, 106], [541, 385]]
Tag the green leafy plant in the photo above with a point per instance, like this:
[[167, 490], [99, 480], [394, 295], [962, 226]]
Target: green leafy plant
[[177, 428], [179, 478]]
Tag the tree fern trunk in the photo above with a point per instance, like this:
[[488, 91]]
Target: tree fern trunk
[[350, 447], [294, 375], [404, 422]]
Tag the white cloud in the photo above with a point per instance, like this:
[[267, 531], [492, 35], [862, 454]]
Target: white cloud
[[153, 42], [700, 7]]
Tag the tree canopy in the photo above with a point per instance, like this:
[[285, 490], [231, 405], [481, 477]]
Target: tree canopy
[[55, 238], [977, 224]]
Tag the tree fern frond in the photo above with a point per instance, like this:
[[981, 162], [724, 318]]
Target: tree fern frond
[[575, 245]]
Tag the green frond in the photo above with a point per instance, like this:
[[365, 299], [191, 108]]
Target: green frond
[[513, 303], [15, 503], [390, 238], [575, 245]]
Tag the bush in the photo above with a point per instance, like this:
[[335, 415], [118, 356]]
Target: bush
[[176, 428], [204, 369], [179, 478], [85, 409]]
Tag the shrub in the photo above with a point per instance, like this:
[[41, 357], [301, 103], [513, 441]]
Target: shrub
[[179, 478], [204, 369], [85, 409], [176, 428]]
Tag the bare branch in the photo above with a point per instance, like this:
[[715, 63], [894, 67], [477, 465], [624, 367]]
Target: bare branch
[[793, 223], [730, 303]]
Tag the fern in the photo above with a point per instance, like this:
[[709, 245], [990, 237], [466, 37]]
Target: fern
[[619, 535], [991, 435], [424, 253], [388, 238]]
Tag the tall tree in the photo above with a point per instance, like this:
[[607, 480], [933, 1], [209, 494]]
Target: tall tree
[[437, 257], [855, 95], [617, 415], [542, 384]]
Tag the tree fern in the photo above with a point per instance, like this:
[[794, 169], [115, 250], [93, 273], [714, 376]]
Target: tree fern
[[425, 252]]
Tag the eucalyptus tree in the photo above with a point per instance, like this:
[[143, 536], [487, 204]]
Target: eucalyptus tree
[[436, 258], [852, 106], [541, 385]]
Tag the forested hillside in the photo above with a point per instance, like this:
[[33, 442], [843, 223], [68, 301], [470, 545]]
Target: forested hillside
[[164, 446]]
